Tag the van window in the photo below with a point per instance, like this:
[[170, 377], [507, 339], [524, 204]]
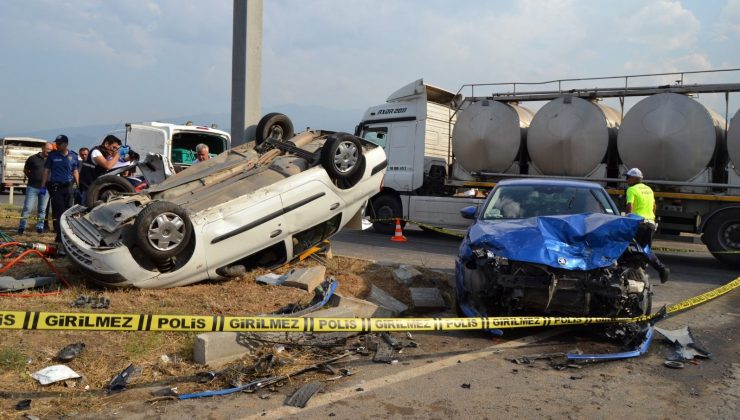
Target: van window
[[184, 142]]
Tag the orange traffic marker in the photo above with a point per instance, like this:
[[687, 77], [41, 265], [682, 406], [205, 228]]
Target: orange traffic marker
[[398, 235]]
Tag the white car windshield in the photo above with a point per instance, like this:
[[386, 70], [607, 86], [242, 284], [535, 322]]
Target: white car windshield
[[522, 201]]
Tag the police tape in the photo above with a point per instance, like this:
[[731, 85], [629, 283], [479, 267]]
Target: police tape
[[19, 320]]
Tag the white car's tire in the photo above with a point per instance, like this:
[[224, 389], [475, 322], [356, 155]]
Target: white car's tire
[[105, 186], [343, 160], [277, 121], [163, 230]]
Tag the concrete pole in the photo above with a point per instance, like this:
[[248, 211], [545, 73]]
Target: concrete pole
[[246, 70]]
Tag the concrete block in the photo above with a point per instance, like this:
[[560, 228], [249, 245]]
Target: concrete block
[[217, 348], [383, 299], [406, 274], [427, 298], [306, 278], [361, 308], [449, 277]]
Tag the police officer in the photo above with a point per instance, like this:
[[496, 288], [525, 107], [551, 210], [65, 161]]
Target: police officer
[[60, 170], [641, 201]]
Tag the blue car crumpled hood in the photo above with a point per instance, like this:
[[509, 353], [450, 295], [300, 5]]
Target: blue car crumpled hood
[[575, 242]]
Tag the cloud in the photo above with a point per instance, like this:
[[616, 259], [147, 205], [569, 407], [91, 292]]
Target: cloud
[[142, 59], [730, 19], [662, 25]]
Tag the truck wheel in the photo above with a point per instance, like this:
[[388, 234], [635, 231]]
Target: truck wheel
[[106, 186], [274, 123], [343, 160], [163, 230], [386, 209], [722, 236]]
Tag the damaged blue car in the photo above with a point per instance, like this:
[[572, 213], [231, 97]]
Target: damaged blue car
[[551, 247]]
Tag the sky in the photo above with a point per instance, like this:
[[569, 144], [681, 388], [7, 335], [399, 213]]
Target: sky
[[69, 63]]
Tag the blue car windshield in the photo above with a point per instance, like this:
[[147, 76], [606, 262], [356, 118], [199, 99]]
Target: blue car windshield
[[522, 201]]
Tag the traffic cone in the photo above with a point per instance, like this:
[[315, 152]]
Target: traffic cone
[[398, 235]]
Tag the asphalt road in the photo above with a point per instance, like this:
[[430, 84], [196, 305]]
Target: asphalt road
[[424, 249]]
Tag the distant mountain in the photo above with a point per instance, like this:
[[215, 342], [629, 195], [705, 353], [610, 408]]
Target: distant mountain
[[303, 116]]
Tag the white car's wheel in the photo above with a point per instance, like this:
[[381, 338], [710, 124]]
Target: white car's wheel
[[274, 125], [106, 186], [342, 158], [163, 230]]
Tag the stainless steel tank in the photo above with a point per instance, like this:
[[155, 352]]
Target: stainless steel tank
[[733, 141], [488, 134], [571, 136], [670, 137]]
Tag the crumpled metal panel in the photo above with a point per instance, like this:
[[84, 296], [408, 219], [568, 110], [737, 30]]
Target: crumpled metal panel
[[574, 242]]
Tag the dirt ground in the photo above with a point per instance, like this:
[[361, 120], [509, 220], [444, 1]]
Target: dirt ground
[[108, 353]]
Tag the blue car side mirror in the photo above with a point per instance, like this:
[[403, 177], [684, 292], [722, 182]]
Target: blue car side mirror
[[468, 212]]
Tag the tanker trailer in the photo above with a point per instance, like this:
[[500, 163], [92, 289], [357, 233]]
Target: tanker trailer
[[490, 136], [570, 136], [672, 137]]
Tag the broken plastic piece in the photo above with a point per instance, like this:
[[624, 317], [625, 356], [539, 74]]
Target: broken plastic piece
[[383, 353], [259, 383], [119, 382], [390, 340], [639, 351], [56, 373], [303, 394], [321, 297], [23, 405], [164, 392], [685, 346], [70, 351], [673, 364], [205, 377], [11, 284]]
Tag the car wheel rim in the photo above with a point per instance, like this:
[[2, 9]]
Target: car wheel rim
[[166, 231], [276, 132], [385, 213], [346, 156]]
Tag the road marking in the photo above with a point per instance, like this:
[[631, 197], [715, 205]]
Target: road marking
[[321, 400]]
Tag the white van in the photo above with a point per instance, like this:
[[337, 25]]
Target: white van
[[175, 142], [14, 151]]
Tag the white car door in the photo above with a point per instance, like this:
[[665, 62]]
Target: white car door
[[309, 204], [245, 227]]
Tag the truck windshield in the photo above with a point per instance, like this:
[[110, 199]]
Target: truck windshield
[[521, 201], [377, 135]]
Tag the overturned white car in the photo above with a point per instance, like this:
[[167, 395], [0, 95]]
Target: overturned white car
[[246, 207]]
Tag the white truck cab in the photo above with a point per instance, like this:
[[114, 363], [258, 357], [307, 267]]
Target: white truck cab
[[175, 142], [413, 127]]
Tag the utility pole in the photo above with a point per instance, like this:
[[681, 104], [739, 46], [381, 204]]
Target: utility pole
[[246, 70]]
